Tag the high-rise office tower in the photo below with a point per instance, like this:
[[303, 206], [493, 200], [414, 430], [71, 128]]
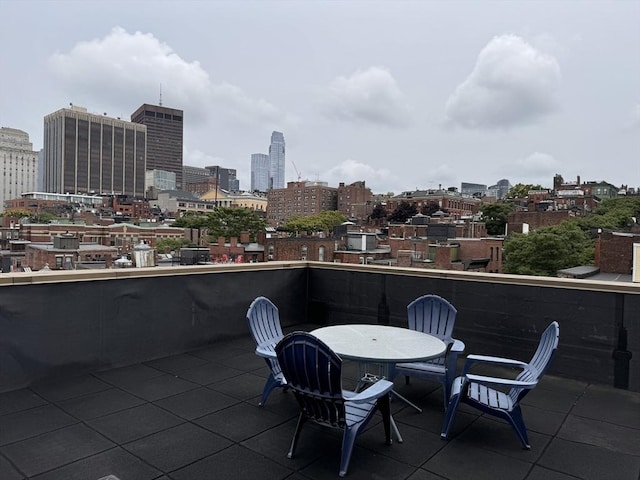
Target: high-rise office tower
[[90, 153], [259, 172], [276, 160], [164, 138], [19, 164]]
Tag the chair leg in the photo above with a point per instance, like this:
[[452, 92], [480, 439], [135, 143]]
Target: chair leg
[[446, 389], [270, 384], [517, 422], [452, 408], [385, 410], [294, 442], [348, 441]]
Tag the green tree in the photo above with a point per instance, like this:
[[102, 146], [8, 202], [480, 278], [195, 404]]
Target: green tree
[[167, 245], [494, 216], [521, 190], [17, 213], [403, 212], [41, 217], [547, 250], [230, 222], [430, 208], [378, 212], [225, 222], [613, 214], [192, 220], [320, 222]]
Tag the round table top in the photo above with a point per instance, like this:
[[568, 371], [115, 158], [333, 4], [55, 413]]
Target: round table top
[[380, 343]]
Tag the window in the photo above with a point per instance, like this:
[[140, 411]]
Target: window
[[303, 252], [321, 254]]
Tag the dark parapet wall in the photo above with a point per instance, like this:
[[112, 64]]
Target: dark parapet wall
[[76, 322], [504, 315], [72, 327]]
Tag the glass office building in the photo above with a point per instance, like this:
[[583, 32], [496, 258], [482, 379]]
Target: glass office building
[[259, 172], [276, 160]]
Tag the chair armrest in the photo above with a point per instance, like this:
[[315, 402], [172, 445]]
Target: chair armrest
[[458, 346], [503, 382], [376, 390], [505, 362], [266, 350]]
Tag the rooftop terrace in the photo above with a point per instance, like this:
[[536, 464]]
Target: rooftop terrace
[[196, 416], [151, 374]]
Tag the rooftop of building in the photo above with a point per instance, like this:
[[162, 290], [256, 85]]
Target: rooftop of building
[[196, 416], [97, 392]]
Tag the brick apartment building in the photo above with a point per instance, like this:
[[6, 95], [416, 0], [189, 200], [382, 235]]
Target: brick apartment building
[[535, 220], [451, 201], [299, 199], [123, 236], [317, 249], [614, 252], [355, 201]]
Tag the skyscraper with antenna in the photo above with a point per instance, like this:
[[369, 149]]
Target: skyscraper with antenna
[[164, 137]]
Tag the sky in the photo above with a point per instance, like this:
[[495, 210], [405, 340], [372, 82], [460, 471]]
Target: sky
[[401, 94]]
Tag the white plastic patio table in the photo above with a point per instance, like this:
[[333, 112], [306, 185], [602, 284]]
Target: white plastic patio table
[[382, 345]]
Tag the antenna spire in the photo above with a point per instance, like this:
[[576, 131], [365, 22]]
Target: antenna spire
[[160, 102]]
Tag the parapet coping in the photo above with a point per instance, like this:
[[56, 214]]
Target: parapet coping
[[63, 276]]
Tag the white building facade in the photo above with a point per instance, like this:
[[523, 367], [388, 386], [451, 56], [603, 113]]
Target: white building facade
[[19, 164]]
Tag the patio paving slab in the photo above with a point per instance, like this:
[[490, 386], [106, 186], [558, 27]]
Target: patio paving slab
[[54, 449], [29, 423], [203, 421], [177, 447], [99, 403], [196, 403], [589, 462], [134, 423], [117, 462]]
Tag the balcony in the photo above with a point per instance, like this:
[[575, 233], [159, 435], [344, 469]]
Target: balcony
[[150, 374]]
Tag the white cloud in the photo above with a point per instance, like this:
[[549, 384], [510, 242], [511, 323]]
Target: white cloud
[[198, 158], [349, 171], [367, 96], [512, 84], [633, 122], [126, 69], [537, 168]]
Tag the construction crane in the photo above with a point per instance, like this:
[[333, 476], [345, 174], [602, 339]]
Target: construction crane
[[296, 169]]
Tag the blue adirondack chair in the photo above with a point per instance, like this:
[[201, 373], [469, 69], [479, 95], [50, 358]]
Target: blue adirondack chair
[[313, 373], [486, 393], [436, 316], [264, 323]]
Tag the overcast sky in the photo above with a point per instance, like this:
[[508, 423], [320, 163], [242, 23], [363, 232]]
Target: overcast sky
[[400, 94]]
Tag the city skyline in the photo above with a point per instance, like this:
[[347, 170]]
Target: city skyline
[[452, 92]]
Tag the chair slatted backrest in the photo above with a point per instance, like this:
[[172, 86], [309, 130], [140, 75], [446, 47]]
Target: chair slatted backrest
[[434, 315], [540, 360], [313, 371], [264, 321]]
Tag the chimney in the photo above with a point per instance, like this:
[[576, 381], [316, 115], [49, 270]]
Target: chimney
[[244, 237], [221, 241], [233, 241]]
